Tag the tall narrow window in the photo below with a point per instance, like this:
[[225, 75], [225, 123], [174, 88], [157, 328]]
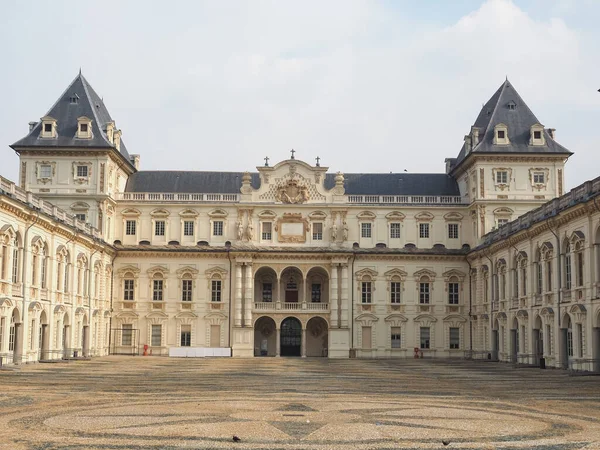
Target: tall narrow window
[[396, 337], [159, 228], [216, 291], [539, 281], [317, 231], [186, 290], [568, 272], [157, 290], [186, 336], [188, 228], [366, 292], [524, 276], [569, 342], [43, 270], [365, 230], [579, 269], [267, 234], [454, 338], [130, 227], [34, 263], [316, 293], [395, 230], [424, 230], [126, 334], [424, 293], [156, 335], [516, 280], [267, 292], [424, 335], [218, 228], [452, 231], [395, 288], [453, 293], [15, 262], [66, 277], [580, 339], [549, 276], [128, 290]]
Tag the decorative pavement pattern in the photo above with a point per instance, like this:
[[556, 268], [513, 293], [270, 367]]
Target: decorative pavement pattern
[[292, 403]]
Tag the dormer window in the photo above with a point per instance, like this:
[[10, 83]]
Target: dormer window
[[512, 105], [537, 135], [48, 127], [84, 128], [501, 135], [74, 99]]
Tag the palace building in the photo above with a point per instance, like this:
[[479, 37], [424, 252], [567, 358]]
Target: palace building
[[490, 259]]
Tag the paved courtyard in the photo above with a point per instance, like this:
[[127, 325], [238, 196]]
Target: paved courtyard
[[287, 403]]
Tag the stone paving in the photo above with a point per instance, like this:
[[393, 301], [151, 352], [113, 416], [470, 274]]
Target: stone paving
[[293, 403]]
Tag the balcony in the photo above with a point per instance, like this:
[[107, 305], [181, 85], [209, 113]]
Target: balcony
[[290, 306]]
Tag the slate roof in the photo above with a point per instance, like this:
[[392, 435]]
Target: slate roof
[[188, 182], [396, 184], [518, 120], [66, 113]]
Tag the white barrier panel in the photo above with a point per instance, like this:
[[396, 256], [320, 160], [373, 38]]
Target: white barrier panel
[[198, 352]]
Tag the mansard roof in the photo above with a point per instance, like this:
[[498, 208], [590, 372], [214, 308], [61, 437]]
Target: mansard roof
[[66, 112], [354, 183], [508, 108]]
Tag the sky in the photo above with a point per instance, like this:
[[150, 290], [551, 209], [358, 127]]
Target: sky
[[368, 86]]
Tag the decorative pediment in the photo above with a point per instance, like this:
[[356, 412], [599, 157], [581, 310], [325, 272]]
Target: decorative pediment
[[503, 211], [157, 315], [217, 214], [366, 215], [501, 263], [424, 216], [157, 270], [188, 213], [425, 319], [395, 320], [121, 271], [59, 309], [35, 306], [80, 311], [80, 206], [185, 317], [367, 319], [424, 273], [396, 216], [577, 236], [547, 311], [501, 316], [187, 270], [130, 212], [399, 273], [159, 213], [215, 318], [453, 217], [8, 233], [454, 320], [6, 302], [215, 272], [267, 214], [317, 215], [454, 273], [522, 314], [366, 274]]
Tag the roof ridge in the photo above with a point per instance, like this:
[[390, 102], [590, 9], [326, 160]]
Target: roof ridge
[[85, 84], [495, 109], [61, 95]]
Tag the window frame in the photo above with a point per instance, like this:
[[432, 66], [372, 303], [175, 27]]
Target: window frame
[[453, 231], [424, 230], [160, 228], [366, 292], [395, 230], [366, 230], [218, 228], [130, 227]]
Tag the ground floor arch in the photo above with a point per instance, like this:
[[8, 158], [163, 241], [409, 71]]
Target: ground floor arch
[[14, 335], [44, 338], [317, 337], [291, 337], [265, 337]]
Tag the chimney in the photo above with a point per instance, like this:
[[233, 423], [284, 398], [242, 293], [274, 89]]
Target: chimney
[[32, 125], [117, 139], [468, 144], [135, 161], [475, 136], [552, 132]]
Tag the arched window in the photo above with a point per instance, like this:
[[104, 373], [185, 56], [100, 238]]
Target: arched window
[[579, 262], [568, 267], [15, 260], [538, 272]]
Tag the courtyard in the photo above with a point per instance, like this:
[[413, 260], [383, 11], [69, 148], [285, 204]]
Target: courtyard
[[293, 403]]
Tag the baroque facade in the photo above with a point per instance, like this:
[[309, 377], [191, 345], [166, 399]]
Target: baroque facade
[[491, 258]]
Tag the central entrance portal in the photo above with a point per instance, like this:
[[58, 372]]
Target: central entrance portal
[[291, 337]]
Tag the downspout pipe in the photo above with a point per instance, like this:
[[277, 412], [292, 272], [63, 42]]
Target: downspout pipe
[[470, 310], [352, 302], [229, 315], [112, 287]]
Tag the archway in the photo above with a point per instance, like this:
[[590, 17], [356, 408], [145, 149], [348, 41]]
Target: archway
[[265, 286], [317, 286], [66, 336], [292, 285], [317, 337], [265, 337], [495, 339], [291, 337], [537, 337], [43, 343], [14, 343], [596, 340], [85, 336], [514, 340]]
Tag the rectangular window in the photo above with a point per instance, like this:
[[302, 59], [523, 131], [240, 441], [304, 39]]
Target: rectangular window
[[452, 231], [80, 216], [215, 290], [218, 228], [316, 293], [394, 231], [424, 334], [126, 334], [82, 171], [366, 338], [267, 234], [454, 338], [501, 134], [396, 337], [424, 293], [15, 265], [538, 267], [524, 283], [317, 231], [188, 228], [45, 171], [156, 335], [537, 135], [159, 228], [157, 290], [47, 128], [580, 339], [186, 290], [579, 257], [502, 175], [186, 335], [569, 342], [568, 271], [267, 292], [130, 227], [43, 272], [128, 290], [366, 292], [453, 293], [83, 127], [549, 276], [539, 177], [424, 230], [395, 287], [215, 336], [501, 222], [365, 230]]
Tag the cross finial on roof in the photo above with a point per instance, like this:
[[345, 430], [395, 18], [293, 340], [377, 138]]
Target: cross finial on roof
[[79, 70], [292, 152], [318, 159], [266, 161]]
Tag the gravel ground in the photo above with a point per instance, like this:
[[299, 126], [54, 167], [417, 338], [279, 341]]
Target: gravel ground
[[292, 403]]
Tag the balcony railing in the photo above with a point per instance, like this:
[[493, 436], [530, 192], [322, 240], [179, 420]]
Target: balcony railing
[[406, 199], [177, 197], [290, 306]]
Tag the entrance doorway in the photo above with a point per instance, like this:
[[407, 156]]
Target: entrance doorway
[[316, 337], [291, 337], [265, 337]]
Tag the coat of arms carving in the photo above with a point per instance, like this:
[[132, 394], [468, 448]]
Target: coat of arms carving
[[292, 192]]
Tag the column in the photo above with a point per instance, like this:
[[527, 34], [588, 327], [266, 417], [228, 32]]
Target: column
[[238, 296], [344, 301], [305, 298], [278, 346], [278, 304], [249, 295], [303, 345], [333, 296], [596, 348]]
